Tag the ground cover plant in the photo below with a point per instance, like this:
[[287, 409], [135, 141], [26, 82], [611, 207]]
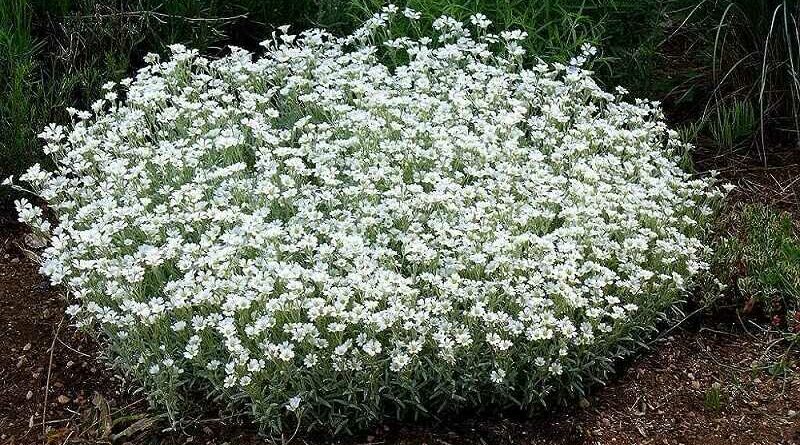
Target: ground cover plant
[[320, 240]]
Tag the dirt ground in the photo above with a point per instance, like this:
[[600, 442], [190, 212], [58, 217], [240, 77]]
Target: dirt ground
[[54, 388]]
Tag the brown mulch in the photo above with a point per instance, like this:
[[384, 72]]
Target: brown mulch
[[660, 399]]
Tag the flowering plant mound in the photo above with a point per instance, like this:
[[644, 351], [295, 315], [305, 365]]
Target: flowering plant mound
[[321, 236]]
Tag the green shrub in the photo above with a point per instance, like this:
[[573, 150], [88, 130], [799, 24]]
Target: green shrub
[[18, 74]]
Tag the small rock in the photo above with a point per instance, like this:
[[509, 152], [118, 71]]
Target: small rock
[[62, 399], [583, 403], [29, 395], [34, 242], [14, 260], [27, 347], [792, 413], [695, 384], [70, 363]]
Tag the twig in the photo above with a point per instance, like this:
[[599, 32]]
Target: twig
[[160, 15], [49, 371], [296, 429], [741, 322], [119, 410], [73, 349], [676, 325], [66, 419], [706, 329], [68, 437]]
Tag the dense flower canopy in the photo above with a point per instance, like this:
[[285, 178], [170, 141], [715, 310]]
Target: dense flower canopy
[[349, 227]]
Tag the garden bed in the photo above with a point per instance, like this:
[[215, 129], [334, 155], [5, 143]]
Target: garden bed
[[661, 398], [725, 374]]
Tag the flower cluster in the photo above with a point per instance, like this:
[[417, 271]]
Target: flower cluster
[[347, 227]]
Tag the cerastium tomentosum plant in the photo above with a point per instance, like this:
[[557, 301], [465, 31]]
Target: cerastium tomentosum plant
[[318, 239]]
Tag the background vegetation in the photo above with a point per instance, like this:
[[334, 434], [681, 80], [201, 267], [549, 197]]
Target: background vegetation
[[734, 65]]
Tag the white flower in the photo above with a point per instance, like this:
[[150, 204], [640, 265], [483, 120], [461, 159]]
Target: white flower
[[179, 326], [515, 34], [411, 14], [480, 21], [310, 360], [498, 376], [399, 361], [294, 403]]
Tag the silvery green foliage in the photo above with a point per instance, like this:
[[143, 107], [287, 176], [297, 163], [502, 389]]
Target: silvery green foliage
[[319, 236]]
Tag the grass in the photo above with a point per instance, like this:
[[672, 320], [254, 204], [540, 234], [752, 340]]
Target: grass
[[744, 55], [733, 125], [714, 397]]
